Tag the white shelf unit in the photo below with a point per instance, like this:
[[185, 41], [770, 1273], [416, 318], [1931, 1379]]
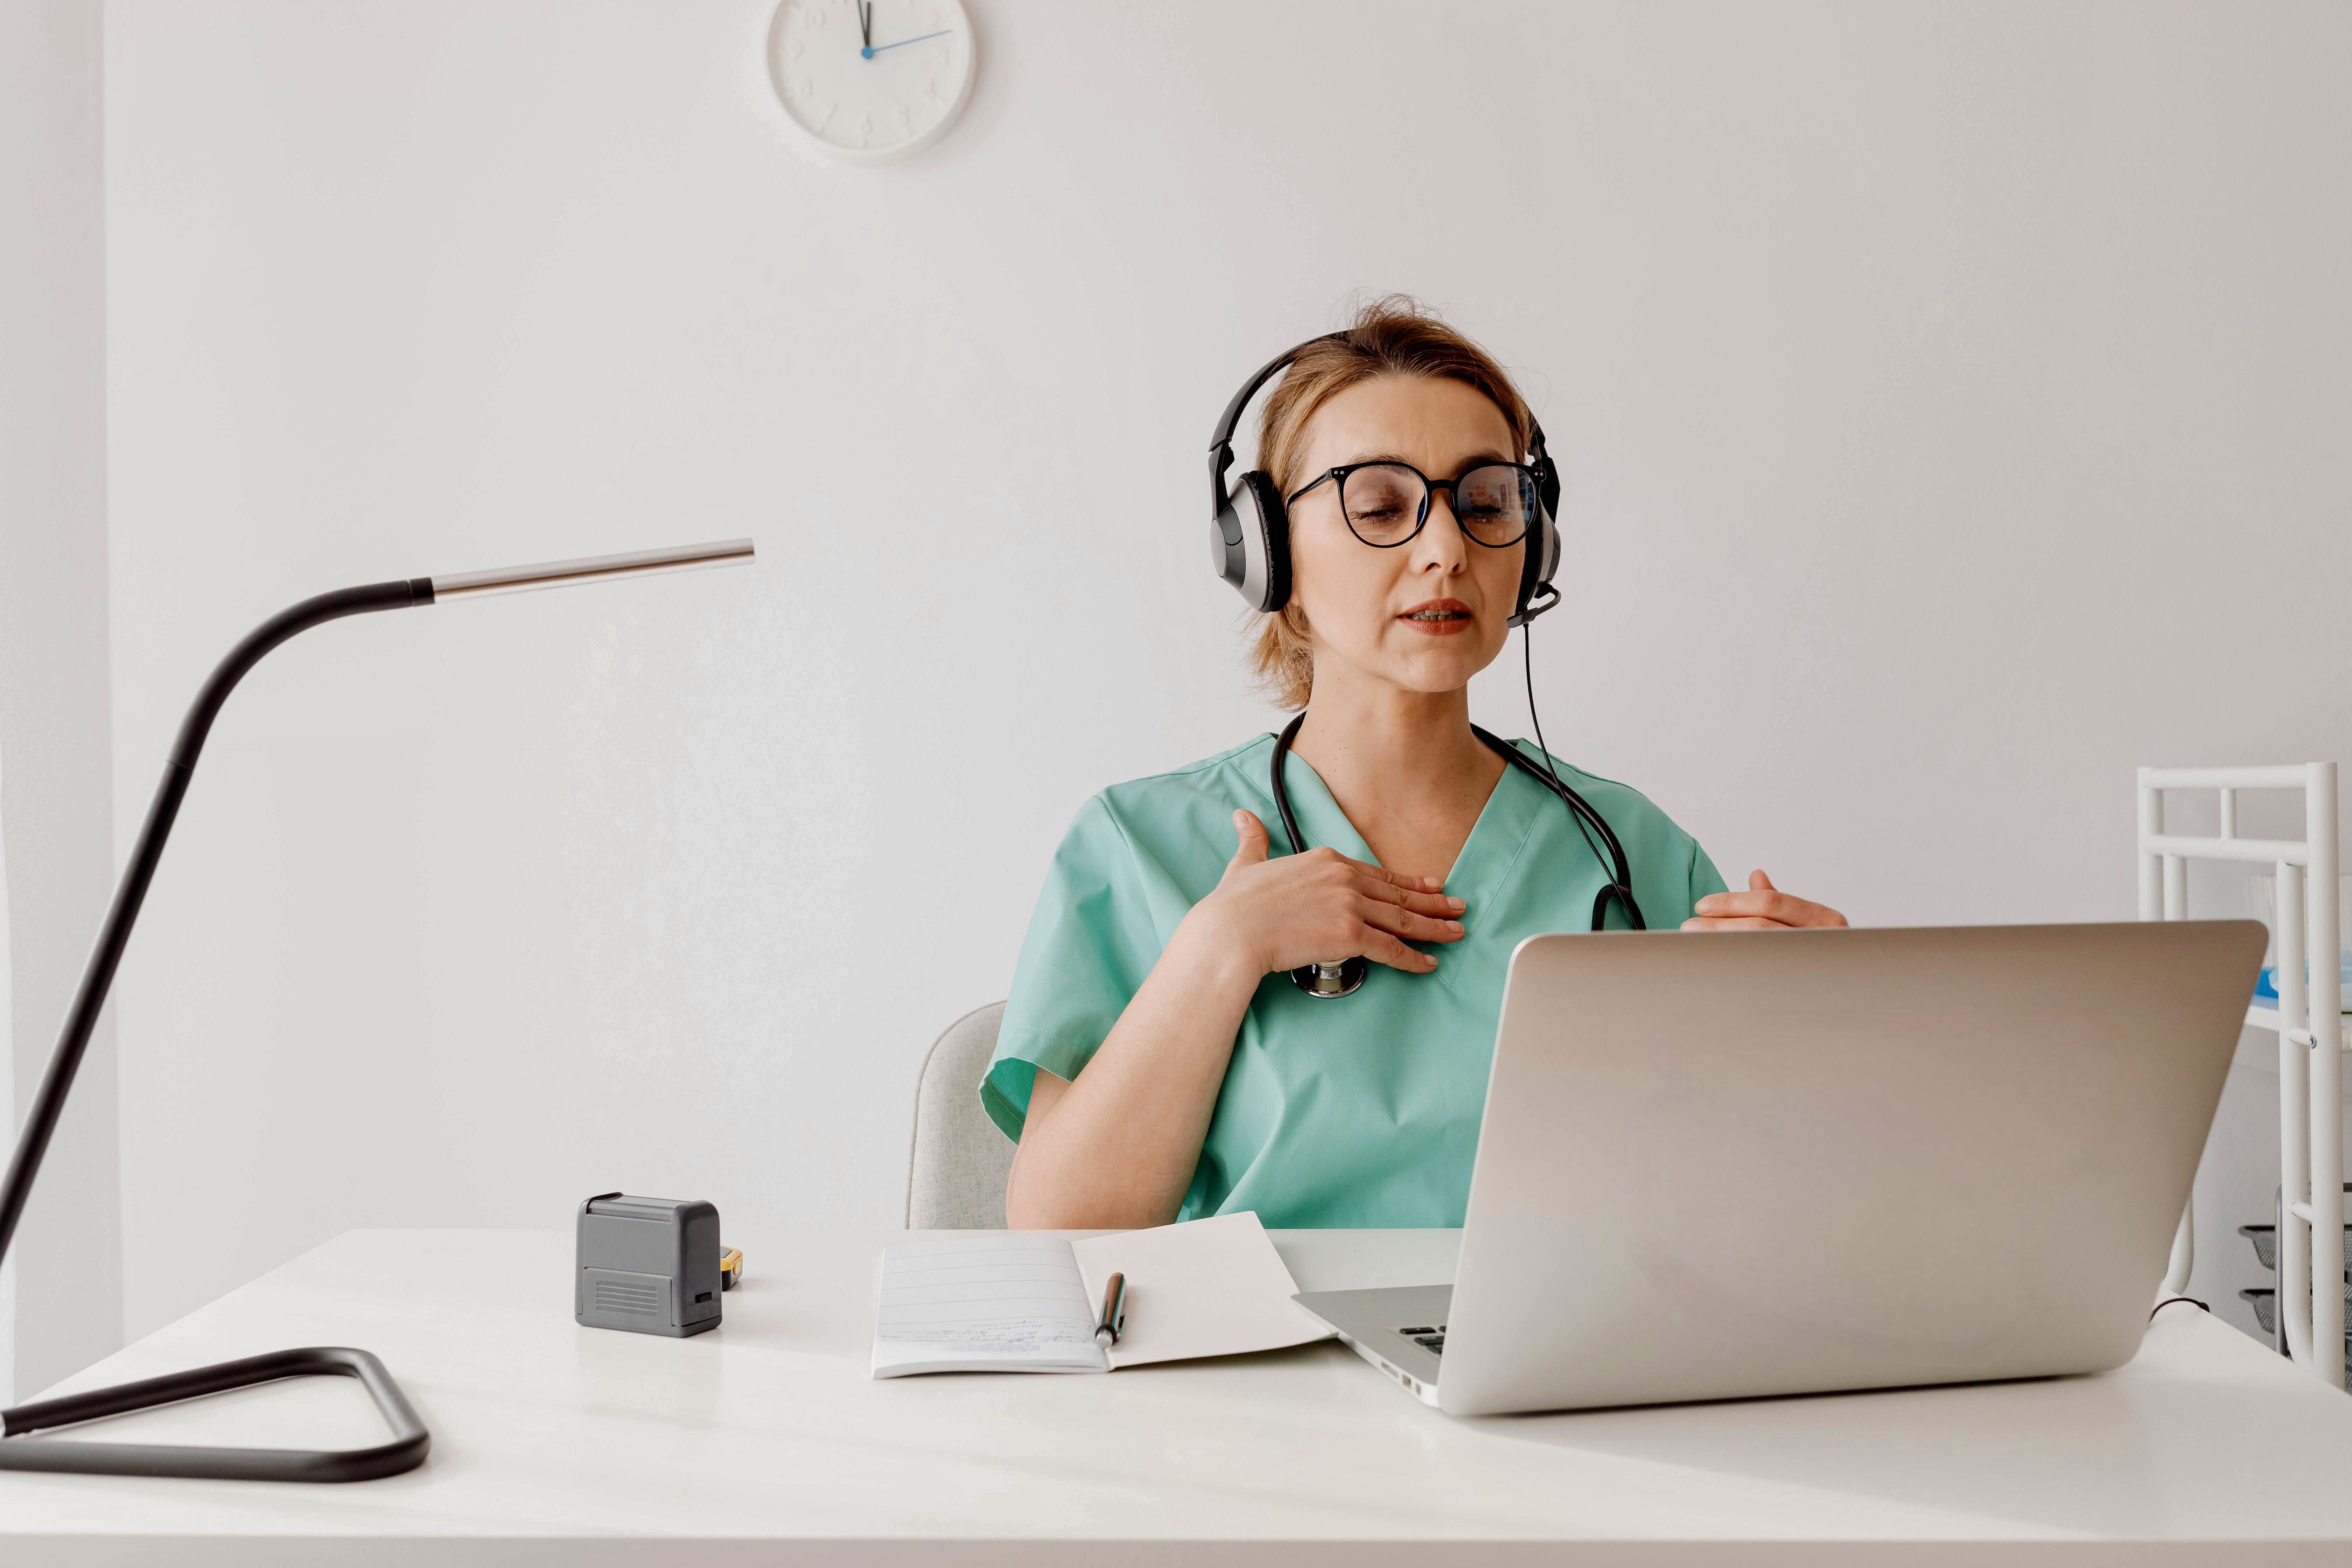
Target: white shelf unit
[[2310, 1011], [2268, 1018]]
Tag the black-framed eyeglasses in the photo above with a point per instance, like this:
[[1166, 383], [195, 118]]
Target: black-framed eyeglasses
[[1387, 503]]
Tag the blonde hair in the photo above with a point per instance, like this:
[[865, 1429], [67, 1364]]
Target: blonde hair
[[1392, 335]]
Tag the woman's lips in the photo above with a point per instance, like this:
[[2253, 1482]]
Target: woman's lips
[[1438, 617]]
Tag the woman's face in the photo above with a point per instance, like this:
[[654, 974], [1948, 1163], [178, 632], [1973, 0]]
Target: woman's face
[[1427, 615]]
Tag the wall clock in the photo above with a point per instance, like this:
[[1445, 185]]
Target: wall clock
[[870, 80]]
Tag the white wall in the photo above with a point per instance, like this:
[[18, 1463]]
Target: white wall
[[1915, 367], [55, 814]]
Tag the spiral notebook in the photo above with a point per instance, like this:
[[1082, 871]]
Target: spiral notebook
[[1027, 1301]]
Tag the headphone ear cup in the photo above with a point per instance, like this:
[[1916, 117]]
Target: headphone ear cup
[[1542, 561], [1249, 543]]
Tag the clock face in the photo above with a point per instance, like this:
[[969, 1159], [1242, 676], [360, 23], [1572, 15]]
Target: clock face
[[869, 80]]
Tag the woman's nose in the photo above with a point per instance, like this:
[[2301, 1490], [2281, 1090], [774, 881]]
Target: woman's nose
[[1442, 545]]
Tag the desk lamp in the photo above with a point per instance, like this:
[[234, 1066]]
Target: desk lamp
[[410, 1439]]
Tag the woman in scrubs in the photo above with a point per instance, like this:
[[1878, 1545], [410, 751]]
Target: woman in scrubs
[[1155, 1060]]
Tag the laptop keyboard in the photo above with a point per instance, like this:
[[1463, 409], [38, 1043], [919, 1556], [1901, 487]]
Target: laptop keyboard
[[1429, 1338]]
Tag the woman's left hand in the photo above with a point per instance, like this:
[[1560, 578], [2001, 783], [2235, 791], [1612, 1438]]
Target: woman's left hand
[[1763, 906]]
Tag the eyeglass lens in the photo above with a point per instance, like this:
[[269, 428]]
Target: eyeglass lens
[[1386, 504]]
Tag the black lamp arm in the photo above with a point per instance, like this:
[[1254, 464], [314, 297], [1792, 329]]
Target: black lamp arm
[[409, 1439], [98, 974]]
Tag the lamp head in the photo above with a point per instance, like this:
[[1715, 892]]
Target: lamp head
[[591, 569]]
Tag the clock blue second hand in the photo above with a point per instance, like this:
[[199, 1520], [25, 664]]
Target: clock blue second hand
[[870, 50]]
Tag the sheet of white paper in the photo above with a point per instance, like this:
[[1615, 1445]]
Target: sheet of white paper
[[1208, 1287], [1009, 1302]]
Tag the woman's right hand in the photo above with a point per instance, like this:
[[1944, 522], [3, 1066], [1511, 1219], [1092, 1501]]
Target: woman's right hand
[[1319, 907], [1117, 1146]]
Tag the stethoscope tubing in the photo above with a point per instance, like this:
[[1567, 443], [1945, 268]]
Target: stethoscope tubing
[[1343, 979]]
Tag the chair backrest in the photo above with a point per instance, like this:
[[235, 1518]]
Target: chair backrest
[[959, 1164]]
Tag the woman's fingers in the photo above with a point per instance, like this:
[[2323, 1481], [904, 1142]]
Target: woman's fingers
[[1381, 948], [1437, 905], [1422, 895], [1379, 873], [1411, 884], [1776, 907], [1773, 910], [1403, 923], [1761, 907], [1250, 845]]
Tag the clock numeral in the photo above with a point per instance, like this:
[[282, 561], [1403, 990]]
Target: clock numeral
[[884, 109]]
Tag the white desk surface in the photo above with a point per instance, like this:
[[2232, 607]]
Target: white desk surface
[[766, 1442]]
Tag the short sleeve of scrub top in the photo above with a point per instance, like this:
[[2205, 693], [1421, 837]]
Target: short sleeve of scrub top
[[1357, 1111]]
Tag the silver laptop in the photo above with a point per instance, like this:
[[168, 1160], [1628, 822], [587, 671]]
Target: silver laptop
[[1719, 1165]]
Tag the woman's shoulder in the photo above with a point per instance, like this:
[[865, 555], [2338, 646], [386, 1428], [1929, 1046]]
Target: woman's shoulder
[[1179, 809], [1222, 775]]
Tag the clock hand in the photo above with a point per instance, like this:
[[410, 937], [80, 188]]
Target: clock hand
[[873, 50], [866, 28]]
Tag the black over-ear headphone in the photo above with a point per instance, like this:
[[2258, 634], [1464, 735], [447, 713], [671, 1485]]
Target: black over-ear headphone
[[1249, 526]]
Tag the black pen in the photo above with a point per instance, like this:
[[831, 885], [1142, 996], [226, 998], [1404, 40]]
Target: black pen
[[1114, 1310]]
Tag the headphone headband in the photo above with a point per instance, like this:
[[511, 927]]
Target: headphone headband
[[1221, 440]]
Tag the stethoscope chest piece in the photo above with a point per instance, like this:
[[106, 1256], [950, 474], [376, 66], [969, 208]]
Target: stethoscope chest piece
[[1342, 979]]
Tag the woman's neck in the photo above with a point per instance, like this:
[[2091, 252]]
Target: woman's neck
[[1404, 767]]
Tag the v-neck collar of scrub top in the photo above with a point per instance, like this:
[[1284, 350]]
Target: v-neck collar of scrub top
[[1481, 869]]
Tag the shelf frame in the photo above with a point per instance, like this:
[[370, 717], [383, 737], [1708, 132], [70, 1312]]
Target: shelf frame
[[2311, 1080]]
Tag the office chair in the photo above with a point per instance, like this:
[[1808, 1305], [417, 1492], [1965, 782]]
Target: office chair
[[958, 1163]]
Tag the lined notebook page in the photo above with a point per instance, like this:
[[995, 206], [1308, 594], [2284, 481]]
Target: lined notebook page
[[1009, 1302]]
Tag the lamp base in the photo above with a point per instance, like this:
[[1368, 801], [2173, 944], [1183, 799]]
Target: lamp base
[[407, 1450]]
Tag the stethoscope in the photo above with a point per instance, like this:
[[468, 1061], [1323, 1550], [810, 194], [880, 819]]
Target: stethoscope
[[1345, 977]]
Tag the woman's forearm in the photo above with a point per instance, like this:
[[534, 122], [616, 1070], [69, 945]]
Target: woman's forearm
[[1117, 1146]]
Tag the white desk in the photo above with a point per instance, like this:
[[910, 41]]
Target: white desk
[[766, 1442]]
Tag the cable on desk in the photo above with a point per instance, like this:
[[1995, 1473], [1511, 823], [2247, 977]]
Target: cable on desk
[[2175, 1300]]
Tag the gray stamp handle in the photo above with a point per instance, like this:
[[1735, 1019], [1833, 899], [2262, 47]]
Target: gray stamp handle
[[648, 1266]]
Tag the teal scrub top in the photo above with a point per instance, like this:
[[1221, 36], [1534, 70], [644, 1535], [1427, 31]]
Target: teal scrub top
[[1360, 1111]]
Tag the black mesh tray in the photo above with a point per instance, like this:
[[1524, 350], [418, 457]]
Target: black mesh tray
[[2265, 1305], [2264, 1302], [2265, 1240]]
